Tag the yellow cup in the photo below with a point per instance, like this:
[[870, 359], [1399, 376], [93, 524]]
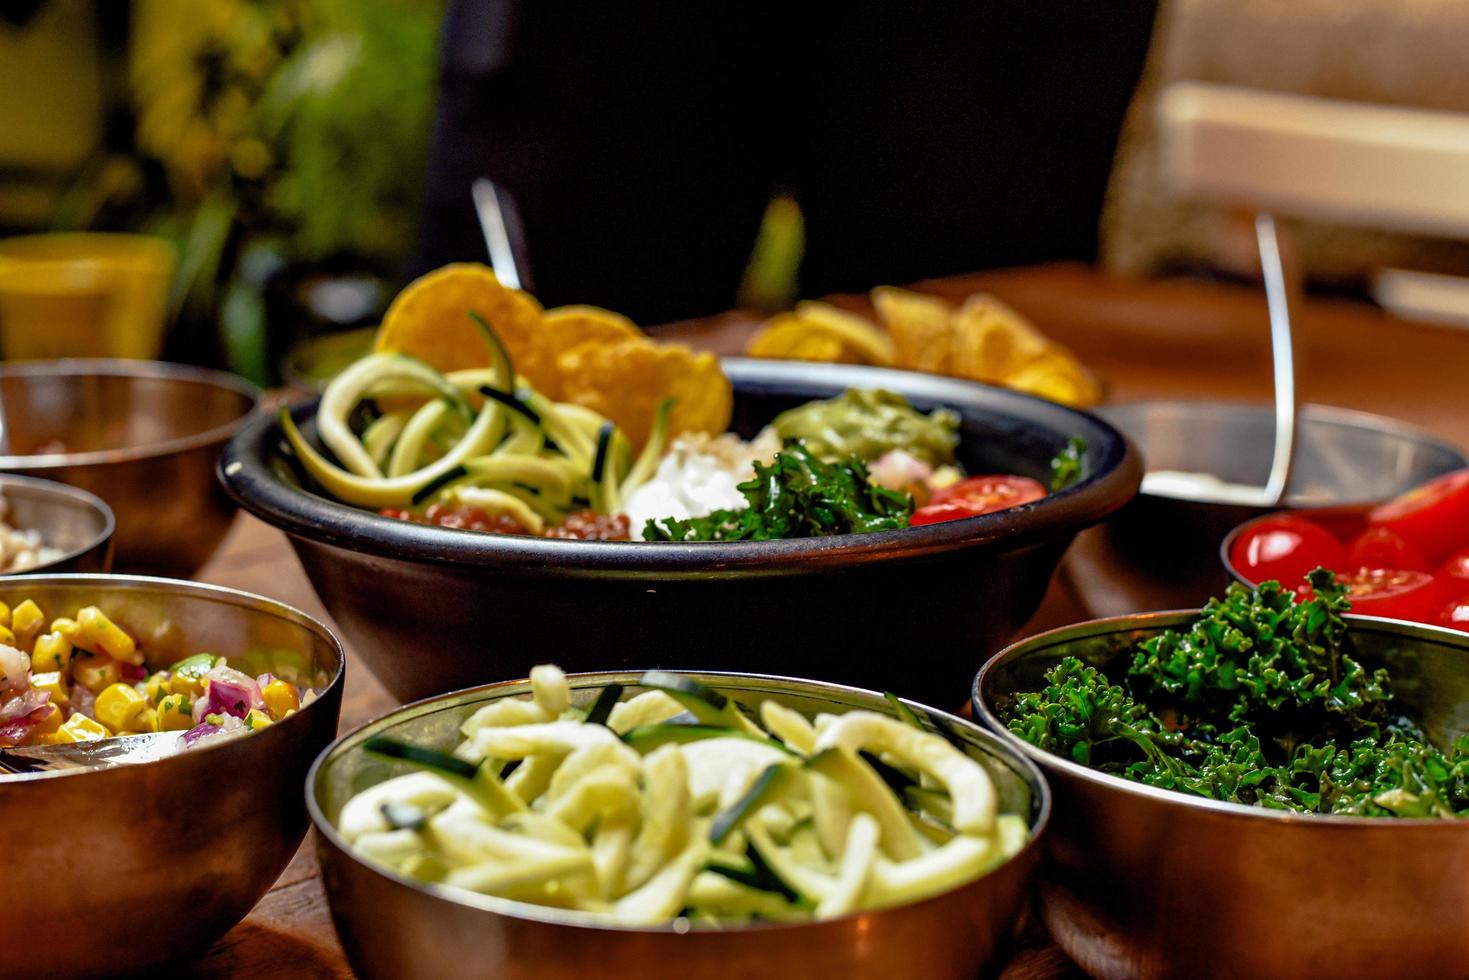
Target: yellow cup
[[83, 294]]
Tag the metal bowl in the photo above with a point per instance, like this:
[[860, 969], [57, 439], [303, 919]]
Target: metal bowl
[[68, 519], [143, 436], [1145, 882], [879, 610], [1159, 552], [116, 871], [392, 926]]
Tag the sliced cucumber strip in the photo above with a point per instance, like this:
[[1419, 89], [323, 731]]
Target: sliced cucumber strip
[[479, 782], [766, 789], [601, 708]]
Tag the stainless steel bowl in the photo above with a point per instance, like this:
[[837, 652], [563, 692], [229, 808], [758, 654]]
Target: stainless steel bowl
[[395, 927], [116, 871], [1160, 552], [71, 520], [1144, 882], [143, 436]]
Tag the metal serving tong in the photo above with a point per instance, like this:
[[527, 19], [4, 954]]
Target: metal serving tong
[[107, 753]]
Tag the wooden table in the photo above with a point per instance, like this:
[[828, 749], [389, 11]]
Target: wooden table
[[1147, 339]]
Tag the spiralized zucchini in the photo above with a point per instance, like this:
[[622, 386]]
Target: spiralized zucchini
[[675, 803], [517, 453]]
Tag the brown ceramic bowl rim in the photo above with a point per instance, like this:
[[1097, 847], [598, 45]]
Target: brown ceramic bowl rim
[[1034, 779], [122, 368], [1171, 619], [61, 491], [195, 590], [258, 489]]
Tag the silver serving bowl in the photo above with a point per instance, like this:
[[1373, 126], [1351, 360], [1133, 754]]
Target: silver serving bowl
[[143, 436], [1145, 882], [392, 926], [1161, 552], [73, 521], [117, 871]]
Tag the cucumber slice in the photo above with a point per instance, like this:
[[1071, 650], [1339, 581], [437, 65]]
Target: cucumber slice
[[478, 782], [404, 816], [872, 795], [753, 872], [766, 789], [512, 402], [706, 704], [904, 713], [498, 354], [438, 483], [601, 708]]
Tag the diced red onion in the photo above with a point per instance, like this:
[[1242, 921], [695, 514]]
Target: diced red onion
[[229, 693], [134, 672], [83, 702], [200, 731], [18, 707]]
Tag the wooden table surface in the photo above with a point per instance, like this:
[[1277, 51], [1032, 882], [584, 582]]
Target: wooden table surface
[[1147, 339]]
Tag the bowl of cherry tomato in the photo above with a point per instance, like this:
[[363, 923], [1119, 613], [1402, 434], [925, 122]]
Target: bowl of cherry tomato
[[1406, 558]]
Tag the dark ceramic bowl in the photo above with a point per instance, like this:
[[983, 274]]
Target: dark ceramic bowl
[[73, 521], [912, 611]]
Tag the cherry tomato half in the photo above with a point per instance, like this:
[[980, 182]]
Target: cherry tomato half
[[1378, 547], [1433, 518], [978, 495], [1285, 548], [1397, 593], [1456, 614]]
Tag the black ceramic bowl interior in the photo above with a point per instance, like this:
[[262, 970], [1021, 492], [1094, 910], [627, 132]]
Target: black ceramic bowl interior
[[73, 521], [912, 611]]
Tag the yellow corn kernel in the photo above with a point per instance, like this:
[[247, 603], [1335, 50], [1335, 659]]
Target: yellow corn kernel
[[96, 672], [64, 625], [280, 698], [7, 637], [52, 652], [4, 614], [174, 713], [26, 621], [78, 728], [118, 707], [50, 722], [53, 684], [156, 687], [146, 721], [99, 634], [256, 719]]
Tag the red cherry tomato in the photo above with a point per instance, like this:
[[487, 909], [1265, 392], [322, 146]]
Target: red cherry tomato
[[1285, 548], [1456, 568], [978, 495], [1456, 614], [1433, 518], [1378, 547], [1397, 593]]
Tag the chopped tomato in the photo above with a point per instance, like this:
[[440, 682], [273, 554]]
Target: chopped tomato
[[978, 495], [1378, 547], [1284, 548], [1397, 593], [1456, 568], [1433, 518], [1456, 614], [588, 525]]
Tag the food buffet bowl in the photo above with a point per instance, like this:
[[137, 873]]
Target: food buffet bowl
[[431, 609], [116, 871], [143, 436], [1145, 882], [73, 521], [398, 927], [1158, 552]]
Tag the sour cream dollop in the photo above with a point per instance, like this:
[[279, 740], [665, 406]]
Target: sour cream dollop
[[699, 475]]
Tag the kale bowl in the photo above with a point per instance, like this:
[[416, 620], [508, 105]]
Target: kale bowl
[[909, 610], [1145, 881]]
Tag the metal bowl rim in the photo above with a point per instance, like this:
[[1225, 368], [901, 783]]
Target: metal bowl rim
[[119, 367], [1034, 778], [306, 515], [1168, 619], [198, 590], [76, 495], [1331, 414]]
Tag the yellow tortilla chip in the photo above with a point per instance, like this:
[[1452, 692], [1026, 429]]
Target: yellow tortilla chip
[[628, 380], [991, 340], [866, 343], [919, 326], [1057, 375], [430, 320], [566, 327]]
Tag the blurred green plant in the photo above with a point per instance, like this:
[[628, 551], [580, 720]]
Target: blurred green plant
[[285, 134]]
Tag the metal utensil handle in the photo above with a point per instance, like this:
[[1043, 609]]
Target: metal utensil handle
[[1282, 352], [497, 236]]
